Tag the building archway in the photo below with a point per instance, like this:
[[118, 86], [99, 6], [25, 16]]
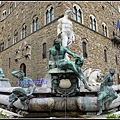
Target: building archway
[[23, 68]]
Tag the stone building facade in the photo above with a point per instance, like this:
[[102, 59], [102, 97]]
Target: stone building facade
[[26, 34]]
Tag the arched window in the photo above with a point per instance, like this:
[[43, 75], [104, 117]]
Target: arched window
[[77, 13], [4, 14], [84, 50], [2, 46], [49, 14], [11, 8], [23, 68], [8, 42], [24, 31], [15, 36], [104, 29], [105, 55], [35, 24], [44, 50], [47, 17], [93, 23], [79, 16]]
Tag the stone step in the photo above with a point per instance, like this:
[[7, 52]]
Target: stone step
[[10, 114]]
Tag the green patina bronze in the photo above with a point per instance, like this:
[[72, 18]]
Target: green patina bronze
[[1, 73], [106, 94], [24, 93], [57, 60]]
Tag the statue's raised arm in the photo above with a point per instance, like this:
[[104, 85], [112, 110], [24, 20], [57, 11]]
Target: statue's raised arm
[[18, 74]]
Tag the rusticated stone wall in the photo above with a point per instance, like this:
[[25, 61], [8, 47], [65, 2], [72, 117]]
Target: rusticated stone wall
[[36, 66]]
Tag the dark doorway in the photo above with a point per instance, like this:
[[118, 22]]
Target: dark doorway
[[23, 68]]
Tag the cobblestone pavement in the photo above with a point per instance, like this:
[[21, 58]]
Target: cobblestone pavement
[[102, 116]]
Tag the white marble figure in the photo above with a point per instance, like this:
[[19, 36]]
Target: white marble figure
[[87, 72], [92, 76], [65, 30]]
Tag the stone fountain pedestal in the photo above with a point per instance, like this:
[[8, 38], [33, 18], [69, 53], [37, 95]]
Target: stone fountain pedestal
[[46, 104], [4, 82]]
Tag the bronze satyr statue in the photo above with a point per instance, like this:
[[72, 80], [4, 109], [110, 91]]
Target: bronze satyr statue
[[24, 93], [58, 53], [106, 94]]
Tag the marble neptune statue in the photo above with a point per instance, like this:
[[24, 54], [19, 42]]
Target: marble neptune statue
[[65, 30]]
